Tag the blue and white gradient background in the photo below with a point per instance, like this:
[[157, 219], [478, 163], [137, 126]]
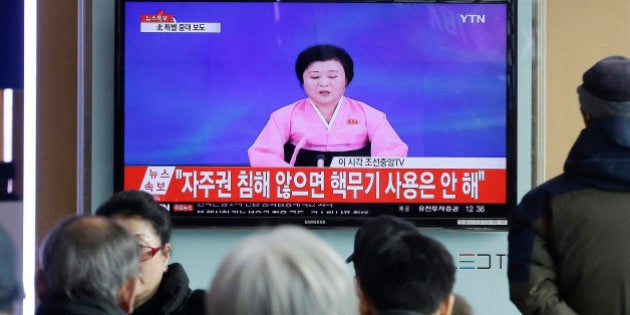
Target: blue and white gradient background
[[202, 98]]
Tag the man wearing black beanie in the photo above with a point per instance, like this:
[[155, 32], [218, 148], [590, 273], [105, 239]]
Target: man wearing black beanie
[[568, 238]]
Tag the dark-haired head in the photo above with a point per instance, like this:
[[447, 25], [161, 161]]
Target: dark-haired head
[[136, 203], [324, 53], [407, 271], [150, 223], [376, 230]]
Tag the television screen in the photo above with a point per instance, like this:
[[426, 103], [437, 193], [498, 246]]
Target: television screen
[[318, 113]]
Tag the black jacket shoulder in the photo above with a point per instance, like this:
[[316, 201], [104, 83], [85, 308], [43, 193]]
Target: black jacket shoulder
[[174, 296]]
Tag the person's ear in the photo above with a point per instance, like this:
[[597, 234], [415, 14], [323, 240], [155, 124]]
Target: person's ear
[[166, 251], [127, 296], [446, 307], [40, 284]]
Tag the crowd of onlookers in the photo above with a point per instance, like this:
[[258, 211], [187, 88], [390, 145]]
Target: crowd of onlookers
[[117, 262], [568, 252]]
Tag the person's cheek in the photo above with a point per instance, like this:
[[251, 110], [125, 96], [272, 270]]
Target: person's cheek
[[142, 273]]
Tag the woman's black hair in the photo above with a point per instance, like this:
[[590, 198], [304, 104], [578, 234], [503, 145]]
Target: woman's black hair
[[130, 203], [324, 53]]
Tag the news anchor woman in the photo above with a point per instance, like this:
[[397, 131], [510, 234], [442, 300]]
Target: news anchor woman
[[163, 289], [326, 123]]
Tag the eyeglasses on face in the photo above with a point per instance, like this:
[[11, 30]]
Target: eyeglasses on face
[[148, 252]]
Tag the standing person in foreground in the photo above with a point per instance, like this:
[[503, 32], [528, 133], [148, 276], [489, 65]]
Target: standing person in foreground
[[163, 288], [89, 267], [285, 271], [311, 131], [10, 286], [568, 247], [399, 271]]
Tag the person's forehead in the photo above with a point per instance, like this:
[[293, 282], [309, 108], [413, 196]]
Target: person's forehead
[[328, 65], [137, 226]]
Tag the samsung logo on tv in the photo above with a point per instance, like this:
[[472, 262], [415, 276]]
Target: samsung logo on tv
[[315, 222]]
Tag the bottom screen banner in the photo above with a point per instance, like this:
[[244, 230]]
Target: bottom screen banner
[[211, 195]]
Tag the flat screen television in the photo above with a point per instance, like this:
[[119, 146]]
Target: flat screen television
[[197, 82]]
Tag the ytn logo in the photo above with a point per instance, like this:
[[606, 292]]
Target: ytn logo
[[473, 18]]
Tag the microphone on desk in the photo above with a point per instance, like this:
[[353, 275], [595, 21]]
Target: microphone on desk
[[321, 160]]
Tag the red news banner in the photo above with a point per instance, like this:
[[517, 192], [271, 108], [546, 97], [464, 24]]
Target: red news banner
[[349, 179]]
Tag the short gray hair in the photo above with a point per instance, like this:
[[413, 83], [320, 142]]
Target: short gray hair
[[287, 271], [88, 255]]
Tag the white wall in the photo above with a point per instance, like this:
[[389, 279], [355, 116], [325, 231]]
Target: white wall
[[480, 256]]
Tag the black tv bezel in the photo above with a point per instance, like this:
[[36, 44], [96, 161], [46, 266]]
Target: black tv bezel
[[333, 222]]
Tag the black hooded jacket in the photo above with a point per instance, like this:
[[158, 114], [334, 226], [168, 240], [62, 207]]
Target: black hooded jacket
[[174, 296], [568, 238]]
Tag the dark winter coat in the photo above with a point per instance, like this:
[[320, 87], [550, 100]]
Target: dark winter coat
[[568, 238]]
